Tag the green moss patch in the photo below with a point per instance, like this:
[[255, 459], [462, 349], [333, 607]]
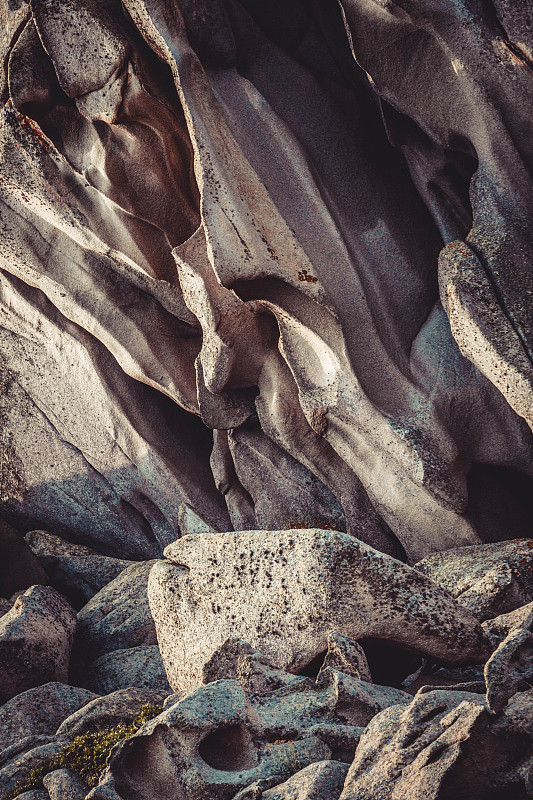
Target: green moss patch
[[87, 754]]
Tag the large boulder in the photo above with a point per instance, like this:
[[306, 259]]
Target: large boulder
[[36, 638], [39, 711], [284, 591], [77, 571]]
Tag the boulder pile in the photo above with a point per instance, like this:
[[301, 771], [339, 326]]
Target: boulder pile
[[243, 666]]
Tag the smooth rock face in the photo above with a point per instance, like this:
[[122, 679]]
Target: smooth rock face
[[284, 591], [63, 783], [205, 259], [117, 617], [489, 579], [73, 569], [136, 666], [39, 711], [36, 638]]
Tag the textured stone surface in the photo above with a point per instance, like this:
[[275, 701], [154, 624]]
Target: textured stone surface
[[322, 781], [36, 638], [63, 784], [73, 569], [368, 366], [284, 591], [510, 668], [498, 628], [136, 666], [488, 580], [441, 747], [39, 711], [218, 739], [117, 617], [121, 706]]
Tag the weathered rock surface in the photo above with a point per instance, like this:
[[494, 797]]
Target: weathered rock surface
[[64, 784], [39, 711], [498, 628], [19, 568], [510, 668], [489, 579], [284, 591], [136, 666], [441, 746], [116, 618], [217, 740], [36, 638], [77, 571], [322, 781], [121, 706]]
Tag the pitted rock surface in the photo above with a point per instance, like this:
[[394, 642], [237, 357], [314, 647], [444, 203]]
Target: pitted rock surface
[[284, 591]]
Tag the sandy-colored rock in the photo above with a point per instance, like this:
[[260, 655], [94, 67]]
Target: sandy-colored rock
[[285, 591], [36, 638], [489, 579], [39, 711], [140, 666], [75, 570]]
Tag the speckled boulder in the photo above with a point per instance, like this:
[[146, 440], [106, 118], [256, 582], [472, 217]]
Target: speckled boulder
[[39, 711], [284, 591], [36, 638]]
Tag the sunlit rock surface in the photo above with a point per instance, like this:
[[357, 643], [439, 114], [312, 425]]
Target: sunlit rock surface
[[303, 226]]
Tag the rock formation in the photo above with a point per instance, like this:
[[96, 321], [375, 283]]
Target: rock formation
[[266, 399]]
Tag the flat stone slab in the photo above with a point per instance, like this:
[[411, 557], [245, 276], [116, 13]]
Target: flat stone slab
[[284, 591]]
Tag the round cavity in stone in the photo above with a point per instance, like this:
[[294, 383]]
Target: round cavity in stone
[[228, 749]]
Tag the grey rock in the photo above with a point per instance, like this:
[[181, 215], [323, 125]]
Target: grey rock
[[39, 711], [19, 568], [191, 522], [116, 618], [106, 712], [498, 628], [510, 668], [136, 666], [18, 769], [238, 660], [72, 568], [284, 591], [36, 638], [488, 579], [518, 713], [34, 794], [321, 781], [63, 784], [441, 746], [5, 606]]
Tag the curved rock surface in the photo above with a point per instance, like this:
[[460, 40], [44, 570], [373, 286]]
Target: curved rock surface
[[284, 591]]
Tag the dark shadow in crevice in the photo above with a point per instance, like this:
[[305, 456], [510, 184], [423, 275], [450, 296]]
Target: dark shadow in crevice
[[500, 502]]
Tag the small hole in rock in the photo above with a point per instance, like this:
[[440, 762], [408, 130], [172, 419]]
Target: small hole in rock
[[229, 749], [312, 669]]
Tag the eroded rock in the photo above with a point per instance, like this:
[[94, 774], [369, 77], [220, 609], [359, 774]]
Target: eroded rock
[[510, 668], [116, 618], [36, 638], [19, 568], [488, 579], [284, 591]]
